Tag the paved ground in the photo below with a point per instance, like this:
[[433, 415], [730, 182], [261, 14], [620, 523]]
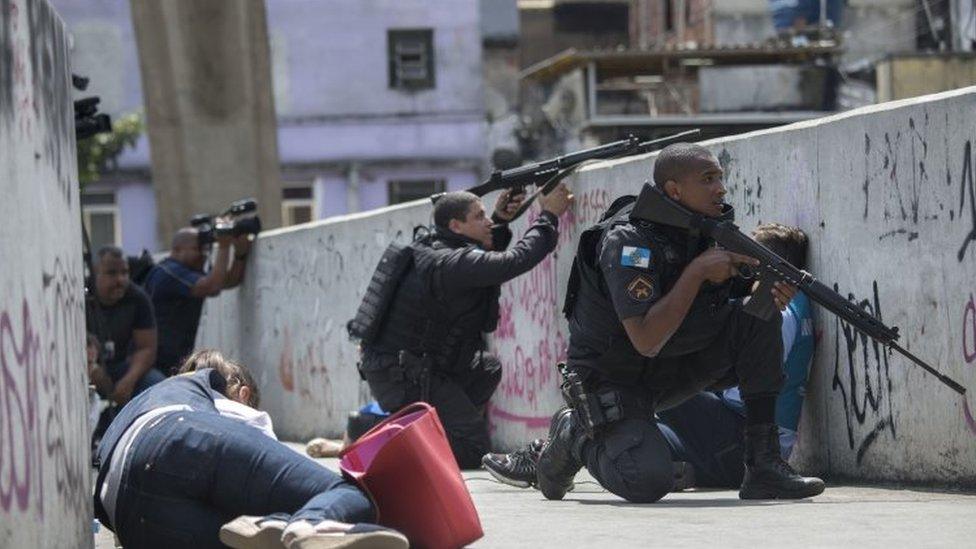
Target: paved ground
[[591, 517]]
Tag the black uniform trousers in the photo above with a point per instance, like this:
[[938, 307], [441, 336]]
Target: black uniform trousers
[[631, 457], [459, 400]]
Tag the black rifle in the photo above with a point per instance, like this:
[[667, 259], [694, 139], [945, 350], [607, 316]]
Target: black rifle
[[548, 173], [654, 206]]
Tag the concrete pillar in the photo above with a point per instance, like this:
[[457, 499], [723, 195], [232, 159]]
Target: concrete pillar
[[206, 78]]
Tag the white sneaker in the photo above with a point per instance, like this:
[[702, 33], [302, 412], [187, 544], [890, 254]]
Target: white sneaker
[[330, 534], [247, 532]]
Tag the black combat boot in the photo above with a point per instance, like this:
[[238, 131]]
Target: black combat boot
[[767, 475], [560, 460]]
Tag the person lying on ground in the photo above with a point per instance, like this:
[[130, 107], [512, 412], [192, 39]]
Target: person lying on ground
[[184, 464]]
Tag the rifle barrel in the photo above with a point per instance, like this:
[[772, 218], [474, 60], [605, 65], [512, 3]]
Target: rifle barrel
[[646, 146], [948, 381]]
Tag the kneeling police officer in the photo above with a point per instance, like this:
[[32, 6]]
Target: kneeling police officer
[[430, 346], [653, 320]]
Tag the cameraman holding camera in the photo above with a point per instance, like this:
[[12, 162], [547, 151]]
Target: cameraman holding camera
[[178, 285]]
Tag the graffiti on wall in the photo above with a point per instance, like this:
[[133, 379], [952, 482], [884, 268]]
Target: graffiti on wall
[[531, 337], [969, 353], [41, 392], [967, 189], [529, 363], [861, 375], [303, 371]]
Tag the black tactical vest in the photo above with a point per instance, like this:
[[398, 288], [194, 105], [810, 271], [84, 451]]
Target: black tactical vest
[[422, 321], [587, 296]]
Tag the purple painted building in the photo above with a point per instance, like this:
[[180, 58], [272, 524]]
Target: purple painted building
[[378, 102]]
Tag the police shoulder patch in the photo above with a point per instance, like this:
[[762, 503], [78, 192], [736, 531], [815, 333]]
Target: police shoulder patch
[[633, 256], [640, 288]]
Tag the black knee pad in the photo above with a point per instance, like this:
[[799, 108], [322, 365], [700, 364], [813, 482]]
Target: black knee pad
[[640, 461], [651, 485]]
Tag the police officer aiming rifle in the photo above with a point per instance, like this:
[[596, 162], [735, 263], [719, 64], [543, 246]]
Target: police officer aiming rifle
[[429, 304], [653, 320]]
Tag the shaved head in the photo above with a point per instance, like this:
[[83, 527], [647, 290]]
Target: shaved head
[[186, 248], [185, 237], [677, 160]]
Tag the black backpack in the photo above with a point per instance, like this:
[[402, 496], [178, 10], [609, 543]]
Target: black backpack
[[382, 288]]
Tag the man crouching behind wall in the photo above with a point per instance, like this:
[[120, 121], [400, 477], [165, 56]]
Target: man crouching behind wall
[[431, 347]]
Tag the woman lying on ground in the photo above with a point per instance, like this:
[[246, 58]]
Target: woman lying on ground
[[184, 464]]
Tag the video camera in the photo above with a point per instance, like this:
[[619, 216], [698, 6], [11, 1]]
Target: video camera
[[243, 216], [88, 121]]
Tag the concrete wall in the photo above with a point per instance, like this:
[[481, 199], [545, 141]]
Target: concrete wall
[[287, 321], [45, 481], [886, 194]]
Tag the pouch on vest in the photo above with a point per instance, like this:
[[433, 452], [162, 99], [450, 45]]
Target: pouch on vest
[[365, 326], [586, 250]]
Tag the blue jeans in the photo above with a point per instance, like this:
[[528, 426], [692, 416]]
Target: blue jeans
[[192, 472], [707, 433]]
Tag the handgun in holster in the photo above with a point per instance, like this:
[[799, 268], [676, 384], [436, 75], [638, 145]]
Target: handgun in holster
[[593, 410]]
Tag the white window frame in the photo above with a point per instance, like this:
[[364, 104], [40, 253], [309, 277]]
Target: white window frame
[[113, 208], [287, 216]]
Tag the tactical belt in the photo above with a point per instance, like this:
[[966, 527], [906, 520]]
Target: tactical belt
[[408, 367]]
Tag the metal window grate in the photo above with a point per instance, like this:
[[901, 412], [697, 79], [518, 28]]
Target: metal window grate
[[413, 189], [411, 58]]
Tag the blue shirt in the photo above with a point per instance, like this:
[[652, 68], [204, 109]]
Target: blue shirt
[[169, 285]]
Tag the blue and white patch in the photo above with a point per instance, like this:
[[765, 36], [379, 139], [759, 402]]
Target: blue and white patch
[[632, 256]]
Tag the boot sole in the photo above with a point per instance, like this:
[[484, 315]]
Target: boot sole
[[763, 492], [518, 483], [370, 540], [242, 533], [553, 495], [506, 480]]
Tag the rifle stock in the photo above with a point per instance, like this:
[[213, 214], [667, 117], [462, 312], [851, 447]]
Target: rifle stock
[[654, 206]]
